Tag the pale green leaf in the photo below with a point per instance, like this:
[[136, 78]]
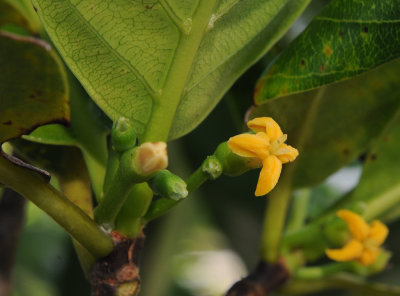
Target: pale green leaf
[[163, 64]]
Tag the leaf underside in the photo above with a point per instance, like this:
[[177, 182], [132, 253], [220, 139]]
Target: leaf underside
[[33, 87], [163, 64], [345, 39]]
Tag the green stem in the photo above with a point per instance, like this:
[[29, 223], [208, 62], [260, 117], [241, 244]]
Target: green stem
[[75, 185], [196, 179], [129, 219], [298, 213], [317, 272], [127, 175], [274, 219], [114, 198], [342, 282], [34, 187], [112, 168]]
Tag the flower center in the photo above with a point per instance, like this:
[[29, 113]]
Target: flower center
[[276, 148]]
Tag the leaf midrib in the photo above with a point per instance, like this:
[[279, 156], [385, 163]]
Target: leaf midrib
[[165, 106]]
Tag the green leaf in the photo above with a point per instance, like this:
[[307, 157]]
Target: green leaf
[[348, 37], [163, 64], [15, 12], [379, 186], [87, 131], [33, 86], [333, 125]]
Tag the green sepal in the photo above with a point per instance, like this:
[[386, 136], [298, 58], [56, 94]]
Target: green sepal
[[232, 164]]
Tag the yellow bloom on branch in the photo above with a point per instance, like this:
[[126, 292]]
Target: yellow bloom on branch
[[365, 244], [268, 146]]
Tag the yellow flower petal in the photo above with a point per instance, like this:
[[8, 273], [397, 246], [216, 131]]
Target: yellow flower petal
[[369, 256], [286, 153], [351, 251], [266, 125], [358, 227], [269, 175], [378, 232], [248, 145]]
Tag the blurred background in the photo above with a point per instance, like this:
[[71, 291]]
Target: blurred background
[[207, 242]]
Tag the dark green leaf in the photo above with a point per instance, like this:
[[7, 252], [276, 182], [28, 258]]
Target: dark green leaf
[[11, 15], [380, 182], [333, 125], [348, 37], [163, 64], [33, 86]]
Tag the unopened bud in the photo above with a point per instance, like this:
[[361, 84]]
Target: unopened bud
[[168, 185], [123, 137], [152, 157]]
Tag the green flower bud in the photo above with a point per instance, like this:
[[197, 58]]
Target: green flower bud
[[123, 137], [168, 185]]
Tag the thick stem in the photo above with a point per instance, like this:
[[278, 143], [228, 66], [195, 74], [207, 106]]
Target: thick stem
[[118, 273], [11, 221], [34, 187], [75, 184]]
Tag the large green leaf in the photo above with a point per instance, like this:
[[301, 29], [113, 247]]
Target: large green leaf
[[333, 125], [380, 182], [348, 37], [33, 86], [163, 64]]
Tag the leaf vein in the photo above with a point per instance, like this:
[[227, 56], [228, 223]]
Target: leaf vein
[[114, 52]]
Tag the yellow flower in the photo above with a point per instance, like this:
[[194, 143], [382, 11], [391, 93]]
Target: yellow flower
[[365, 244], [268, 146]]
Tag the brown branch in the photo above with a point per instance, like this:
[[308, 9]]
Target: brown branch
[[11, 221], [118, 273], [264, 279]]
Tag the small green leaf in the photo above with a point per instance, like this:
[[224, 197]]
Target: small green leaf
[[33, 86], [163, 64], [333, 125], [348, 37]]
